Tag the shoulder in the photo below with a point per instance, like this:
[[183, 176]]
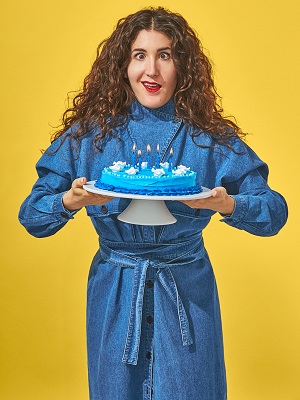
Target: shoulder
[[234, 155], [71, 140], [219, 145], [238, 160]]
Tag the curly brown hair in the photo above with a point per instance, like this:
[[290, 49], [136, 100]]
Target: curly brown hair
[[106, 95]]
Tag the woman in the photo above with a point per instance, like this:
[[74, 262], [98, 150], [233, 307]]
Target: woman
[[153, 318]]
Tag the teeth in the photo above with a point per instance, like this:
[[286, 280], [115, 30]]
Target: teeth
[[152, 85]]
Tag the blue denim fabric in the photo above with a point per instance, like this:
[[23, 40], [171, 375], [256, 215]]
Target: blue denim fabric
[[153, 317], [184, 310]]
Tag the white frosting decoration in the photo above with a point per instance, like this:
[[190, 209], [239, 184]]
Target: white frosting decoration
[[180, 170], [158, 172], [183, 167], [164, 165], [144, 165], [117, 166], [131, 171]]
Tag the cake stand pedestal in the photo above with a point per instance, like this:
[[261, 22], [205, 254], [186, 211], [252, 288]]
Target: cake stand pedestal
[[147, 212]]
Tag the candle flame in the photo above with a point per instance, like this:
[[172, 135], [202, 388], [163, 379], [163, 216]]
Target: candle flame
[[148, 148], [139, 153], [133, 147], [157, 148], [171, 152]]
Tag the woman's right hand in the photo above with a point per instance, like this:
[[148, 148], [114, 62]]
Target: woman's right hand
[[77, 197]]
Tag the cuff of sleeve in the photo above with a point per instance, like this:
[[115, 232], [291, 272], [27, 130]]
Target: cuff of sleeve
[[60, 210], [239, 212]]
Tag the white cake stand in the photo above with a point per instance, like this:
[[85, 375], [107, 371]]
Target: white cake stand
[[146, 210]]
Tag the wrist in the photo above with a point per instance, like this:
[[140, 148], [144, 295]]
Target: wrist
[[69, 203], [228, 207]]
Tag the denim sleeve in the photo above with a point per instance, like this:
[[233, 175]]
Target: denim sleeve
[[258, 209], [42, 213]]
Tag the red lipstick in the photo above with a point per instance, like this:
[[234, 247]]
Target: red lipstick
[[151, 87]]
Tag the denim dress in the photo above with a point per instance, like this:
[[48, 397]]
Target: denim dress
[[153, 316]]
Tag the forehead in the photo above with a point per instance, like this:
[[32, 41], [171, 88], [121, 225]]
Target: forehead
[[151, 39]]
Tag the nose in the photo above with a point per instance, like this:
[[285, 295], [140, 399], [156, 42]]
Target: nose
[[152, 68]]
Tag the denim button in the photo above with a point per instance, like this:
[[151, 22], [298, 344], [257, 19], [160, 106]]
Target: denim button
[[149, 319], [197, 213], [104, 210], [150, 284], [64, 215], [148, 355]]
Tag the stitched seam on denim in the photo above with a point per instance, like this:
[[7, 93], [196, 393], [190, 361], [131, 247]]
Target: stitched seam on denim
[[169, 142], [161, 233], [181, 214], [109, 244]]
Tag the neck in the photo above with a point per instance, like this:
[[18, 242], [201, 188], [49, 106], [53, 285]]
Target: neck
[[168, 108]]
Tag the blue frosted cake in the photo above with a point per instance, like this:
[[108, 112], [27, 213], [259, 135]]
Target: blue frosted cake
[[156, 181]]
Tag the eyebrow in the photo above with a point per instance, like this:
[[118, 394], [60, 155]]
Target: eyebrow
[[158, 50]]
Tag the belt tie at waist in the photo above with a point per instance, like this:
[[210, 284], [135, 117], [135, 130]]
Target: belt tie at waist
[[166, 278]]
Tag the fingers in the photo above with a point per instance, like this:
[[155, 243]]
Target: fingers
[[219, 201], [218, 192], [78, 183], [77, 197]]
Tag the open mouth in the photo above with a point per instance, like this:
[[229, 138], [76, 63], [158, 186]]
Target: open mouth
[[151, 87]]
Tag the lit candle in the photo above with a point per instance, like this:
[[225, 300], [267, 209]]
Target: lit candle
[[170, 161], [133, 155], [157, 159], [140, 160], [148, 157]]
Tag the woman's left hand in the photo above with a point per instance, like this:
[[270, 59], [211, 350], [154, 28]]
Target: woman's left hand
[[219, 201]]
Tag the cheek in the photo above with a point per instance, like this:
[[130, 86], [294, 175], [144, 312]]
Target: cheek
[[133, 71], [174, 81], [130, 72], [172, 77]]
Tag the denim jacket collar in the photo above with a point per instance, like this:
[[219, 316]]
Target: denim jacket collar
[[164, 113]]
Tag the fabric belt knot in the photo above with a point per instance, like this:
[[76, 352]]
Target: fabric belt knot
[[166, 278]]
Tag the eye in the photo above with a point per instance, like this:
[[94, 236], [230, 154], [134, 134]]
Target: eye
[[165, 56], [139, 56]]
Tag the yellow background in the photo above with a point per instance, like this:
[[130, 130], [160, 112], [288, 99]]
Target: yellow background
[[47, 49]]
